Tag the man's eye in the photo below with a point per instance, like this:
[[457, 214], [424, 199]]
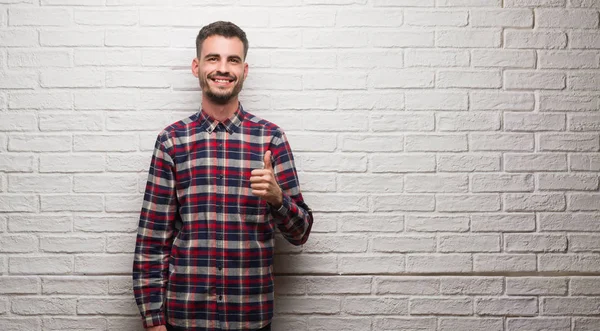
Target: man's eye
[[234, 60], [212, 59]]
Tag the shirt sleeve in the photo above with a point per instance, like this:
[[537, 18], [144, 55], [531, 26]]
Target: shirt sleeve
[[155, 235], [294, 219]]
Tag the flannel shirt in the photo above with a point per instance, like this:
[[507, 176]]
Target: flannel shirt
[[204, 248]]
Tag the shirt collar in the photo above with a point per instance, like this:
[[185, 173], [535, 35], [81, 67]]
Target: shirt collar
[[231, 124]]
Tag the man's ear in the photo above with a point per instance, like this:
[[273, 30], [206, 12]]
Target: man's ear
[[245, 70], [195, 66]]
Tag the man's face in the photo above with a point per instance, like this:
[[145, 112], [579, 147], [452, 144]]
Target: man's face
[[220, 68]]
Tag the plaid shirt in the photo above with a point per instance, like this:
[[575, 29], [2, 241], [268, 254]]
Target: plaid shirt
[[204, 250]]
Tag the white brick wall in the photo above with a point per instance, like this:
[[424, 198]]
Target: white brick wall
[[449, 148]]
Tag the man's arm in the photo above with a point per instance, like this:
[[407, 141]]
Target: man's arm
[[289, 211], [155, 235]]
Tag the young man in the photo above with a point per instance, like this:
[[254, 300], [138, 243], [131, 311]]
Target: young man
[[220, 182]]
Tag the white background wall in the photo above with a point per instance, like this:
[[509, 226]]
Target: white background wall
[[449, 149]]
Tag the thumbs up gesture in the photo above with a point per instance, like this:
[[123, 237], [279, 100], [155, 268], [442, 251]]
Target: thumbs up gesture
[[264, 184]]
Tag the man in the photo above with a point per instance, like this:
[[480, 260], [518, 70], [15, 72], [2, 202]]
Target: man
[[220, 181]]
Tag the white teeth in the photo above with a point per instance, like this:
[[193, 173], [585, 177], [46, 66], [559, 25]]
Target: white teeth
[[221, 81]]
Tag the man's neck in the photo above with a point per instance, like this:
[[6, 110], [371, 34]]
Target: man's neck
[[218, 111]]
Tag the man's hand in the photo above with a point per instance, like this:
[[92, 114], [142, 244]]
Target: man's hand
[[157, 328], [264, 184]]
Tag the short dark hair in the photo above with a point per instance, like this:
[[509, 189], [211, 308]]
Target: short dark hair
[[221, 28]]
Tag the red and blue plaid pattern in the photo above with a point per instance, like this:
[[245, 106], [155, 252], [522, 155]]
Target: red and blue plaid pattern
[[204, 250]]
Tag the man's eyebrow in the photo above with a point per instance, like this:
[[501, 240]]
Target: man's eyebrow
[[212, 55]]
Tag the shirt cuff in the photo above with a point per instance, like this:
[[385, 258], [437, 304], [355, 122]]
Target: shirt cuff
[[154, 320], [285, 207]]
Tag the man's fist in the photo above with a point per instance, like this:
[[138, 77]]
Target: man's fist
[[264, 184]]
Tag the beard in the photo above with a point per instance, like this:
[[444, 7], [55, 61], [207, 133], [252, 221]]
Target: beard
[[218, 95]]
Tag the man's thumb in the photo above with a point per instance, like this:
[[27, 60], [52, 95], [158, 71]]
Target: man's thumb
[[267, 161]]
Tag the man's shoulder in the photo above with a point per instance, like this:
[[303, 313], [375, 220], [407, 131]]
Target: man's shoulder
[[257, 121], [181, 126]]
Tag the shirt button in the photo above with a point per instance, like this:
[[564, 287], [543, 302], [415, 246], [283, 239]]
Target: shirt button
[[220, 297], [220, 176], [220, 237]]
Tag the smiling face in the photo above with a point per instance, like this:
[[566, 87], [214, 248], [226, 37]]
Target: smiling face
[[221, 69]]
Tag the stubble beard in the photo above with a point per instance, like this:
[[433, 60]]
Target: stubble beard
[[220, 97]]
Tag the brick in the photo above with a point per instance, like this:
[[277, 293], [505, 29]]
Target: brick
[[514, 18], [570, 19], [569, 263], [470, 324], [436, 100], [371, 264], [18, 38], [584, 122], [338, 81], [472, 38], [308, 181], [121, 17], [469, 3], [120, 285], [316, 59], [39, 223], [437, 223], [39, 17], [579, 182], [407, 285], [534, 122], [404, 323], [79, 202], [399, 163], [104, 184], [338, 285], [18, 244], [308, 305], [569, 222], [584, 202], [39, 183], [147, 37], [584, 3], [584, 286], [104, 58], [468, 243], [439, 263], [406, 202], [120, 244], [440, 183], [534, 3], [535, 243], [336, 244], [570, 306], [78, 244], [503, 58], [114, 223], [331, 162], [403, 3], [367, 18], [36, 265], [585, 324], [18, 203], [18, 122], [112, 306], [535, 162], [115, 264], [400, 78], [585, 162], [371, 223], [370, 183], [378, 305], [40, 100], [18, 80], [538, 324], [467, 202], [584, 81], [80, 162], [291, 322], [66, 121], [515, 101], [568, 59], [571, 142], [310, 101], [74, 285], [540, 39], [441, 306], [72, 38], [469, 79], [436, 58], [149, 57], [399, 38], [71, 78], [46, 306], [504, 263], [507, 306], [503, 222], [534, 80], [402, 122], [323, 38], [72, 3], [471, 121], [403, 244], [584, 243], [468, 162], [19, 324], [368, 143], [472, 285], [502, 183], [358, 100], [107, 101], [436, 18], [354, 121], [568, 102], [105, 142], [436, 143], [123, 203], [279, 39], [534, 202], [74, 323], [19, 285], [334, 323], [148, 79], [584, 40], [39, 143]]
